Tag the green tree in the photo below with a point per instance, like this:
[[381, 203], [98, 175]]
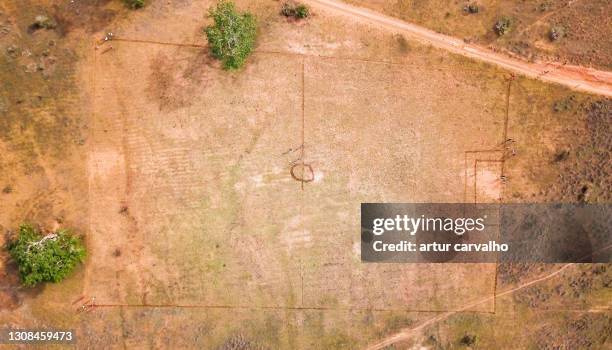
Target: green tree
[[232, 37], [48, 258]]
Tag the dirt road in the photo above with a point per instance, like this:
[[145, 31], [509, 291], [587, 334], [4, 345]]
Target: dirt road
[[406, 334], [575, 77]]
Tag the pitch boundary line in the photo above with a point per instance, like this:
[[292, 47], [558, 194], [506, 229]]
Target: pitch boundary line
[[322, 57], [302, 152], [304, 56]]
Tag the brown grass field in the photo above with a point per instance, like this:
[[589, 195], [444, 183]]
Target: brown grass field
[[179, 174]]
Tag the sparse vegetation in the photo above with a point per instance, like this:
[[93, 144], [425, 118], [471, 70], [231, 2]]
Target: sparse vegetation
[[503, 26], [135, 4], [588, 331], [471, 8], [566, 104], [582, 44], [45, 258], [238, 342], [582, 175], [295, 10], [561, 156], [467, 340], [42, 22], [232, 36], [402, 43], [556, 33], [544, 6]]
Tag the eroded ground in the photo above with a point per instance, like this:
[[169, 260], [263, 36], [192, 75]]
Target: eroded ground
[[199, 237]]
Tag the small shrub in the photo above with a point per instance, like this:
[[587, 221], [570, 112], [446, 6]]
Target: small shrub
[[467, 340], [42, 22], [402, 43], [556, 33], [502, 26], [295, 10], [49, 258], [544, 6], [302, 11], [7, 189], [232, 37], [471, 8], [238, 342], [565, 104], [561, 156], [135, 4]]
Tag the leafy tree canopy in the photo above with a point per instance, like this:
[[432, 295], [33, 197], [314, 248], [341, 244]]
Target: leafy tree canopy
[[232, 36], [48, 258]]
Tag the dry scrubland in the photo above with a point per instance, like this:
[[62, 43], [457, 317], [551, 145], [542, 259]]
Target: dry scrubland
[[584, 25], [178, 173]]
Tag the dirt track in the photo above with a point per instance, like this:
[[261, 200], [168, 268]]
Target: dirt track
[[575, 77], [407, 333]]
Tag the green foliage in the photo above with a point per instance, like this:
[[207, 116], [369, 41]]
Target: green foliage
[[502, 26], [47, 258], [302, 11], [295, 10], [232, 37], [135, 4]]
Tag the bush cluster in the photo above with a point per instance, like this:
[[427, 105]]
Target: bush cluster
[[232, 36], [471, 8], [295, 10], [502, 26], [48, 258], [43, 22], [135, 4], [556, 33]]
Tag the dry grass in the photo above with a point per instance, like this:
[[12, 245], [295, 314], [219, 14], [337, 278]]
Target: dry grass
[[583, 43]]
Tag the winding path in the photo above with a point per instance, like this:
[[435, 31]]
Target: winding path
[[576, 77], [407, 333]]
